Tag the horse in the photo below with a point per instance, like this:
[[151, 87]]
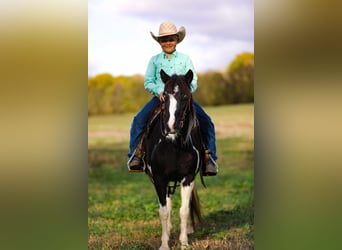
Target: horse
[[174, 152]]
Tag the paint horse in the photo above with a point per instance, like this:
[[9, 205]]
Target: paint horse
[[175, 153]]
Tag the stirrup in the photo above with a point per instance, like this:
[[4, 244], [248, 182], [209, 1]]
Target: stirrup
[[209, 161], [136, 168], [140, 167]]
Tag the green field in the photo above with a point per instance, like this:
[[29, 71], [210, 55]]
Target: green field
[[123, 206]]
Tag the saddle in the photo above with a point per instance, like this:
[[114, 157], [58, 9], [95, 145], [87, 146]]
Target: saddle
[[153, 117]]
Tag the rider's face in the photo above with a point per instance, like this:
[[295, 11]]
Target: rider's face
[[168, 43]]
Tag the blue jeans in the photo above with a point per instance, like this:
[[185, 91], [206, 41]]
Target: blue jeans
[[207, 130], [141, 118]]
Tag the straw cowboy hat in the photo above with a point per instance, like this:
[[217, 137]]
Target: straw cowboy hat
[[168, 29]]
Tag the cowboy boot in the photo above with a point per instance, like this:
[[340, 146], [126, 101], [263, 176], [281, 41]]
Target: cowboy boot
[[210, 165], [136, 164]]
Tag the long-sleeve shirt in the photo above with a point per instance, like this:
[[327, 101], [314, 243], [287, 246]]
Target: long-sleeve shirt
[[178, 64]]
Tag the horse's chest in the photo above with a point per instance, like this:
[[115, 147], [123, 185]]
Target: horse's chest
[[173, 156]]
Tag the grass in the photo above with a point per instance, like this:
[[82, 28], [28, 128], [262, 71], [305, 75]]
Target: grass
[[123, 206]]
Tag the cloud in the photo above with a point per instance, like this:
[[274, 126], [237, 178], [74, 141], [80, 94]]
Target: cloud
[[217, 18], [220, 18], [119, 39]]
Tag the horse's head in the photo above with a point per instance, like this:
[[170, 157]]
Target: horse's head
[[178, 103]]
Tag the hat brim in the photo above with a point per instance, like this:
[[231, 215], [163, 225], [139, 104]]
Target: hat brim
[[180, 33]]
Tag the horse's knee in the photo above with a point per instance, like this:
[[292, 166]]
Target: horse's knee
[[184, 212], [163, 213]]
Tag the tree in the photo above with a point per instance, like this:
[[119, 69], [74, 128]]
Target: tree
[[98, 91], [211, 89], [240, 77]]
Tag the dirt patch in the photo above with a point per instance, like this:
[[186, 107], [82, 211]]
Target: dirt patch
[[238, 129], [223, 130], [118, 135]]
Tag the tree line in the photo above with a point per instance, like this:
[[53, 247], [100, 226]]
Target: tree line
[[109, 94]]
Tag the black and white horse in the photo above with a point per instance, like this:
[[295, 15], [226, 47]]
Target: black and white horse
[[175, 153]]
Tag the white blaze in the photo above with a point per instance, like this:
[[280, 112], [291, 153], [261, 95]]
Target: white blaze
[[172, 110]]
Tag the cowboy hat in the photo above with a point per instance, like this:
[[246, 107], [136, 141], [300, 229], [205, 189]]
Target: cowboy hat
[[168, 29]]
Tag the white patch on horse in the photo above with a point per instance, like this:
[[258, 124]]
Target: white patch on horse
[[169, 211], [172, 111], [184, 212], [164, 214], [171, 136]]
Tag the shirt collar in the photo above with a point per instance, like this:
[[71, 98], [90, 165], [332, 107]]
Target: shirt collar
[[174, 54]]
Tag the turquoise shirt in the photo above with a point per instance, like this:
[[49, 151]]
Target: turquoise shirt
[[178, 64]]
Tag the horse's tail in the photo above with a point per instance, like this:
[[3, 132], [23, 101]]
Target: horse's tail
[[195, 207]]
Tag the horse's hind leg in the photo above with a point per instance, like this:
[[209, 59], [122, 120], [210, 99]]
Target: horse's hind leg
[[190, 228], [185, 212]]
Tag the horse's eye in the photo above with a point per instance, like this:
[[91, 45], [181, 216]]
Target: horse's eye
[[165, 93], [185, 97]]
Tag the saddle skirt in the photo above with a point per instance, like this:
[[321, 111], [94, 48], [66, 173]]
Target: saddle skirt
[[153, 118]]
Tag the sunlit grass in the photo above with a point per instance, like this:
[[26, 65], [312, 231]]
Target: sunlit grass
[[123, 206], [236, 120]]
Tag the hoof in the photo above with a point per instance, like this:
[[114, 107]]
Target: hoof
[[164, 248], [185, 247]]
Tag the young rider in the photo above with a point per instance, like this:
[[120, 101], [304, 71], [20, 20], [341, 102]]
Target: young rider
[[172, 62]]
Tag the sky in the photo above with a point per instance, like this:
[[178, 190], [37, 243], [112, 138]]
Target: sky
[[119, 40]]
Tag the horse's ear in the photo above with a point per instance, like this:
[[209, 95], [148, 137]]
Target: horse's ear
[[189, 76], [165, 77]]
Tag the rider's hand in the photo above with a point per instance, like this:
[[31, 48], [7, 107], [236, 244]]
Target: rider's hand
[[161, 96]]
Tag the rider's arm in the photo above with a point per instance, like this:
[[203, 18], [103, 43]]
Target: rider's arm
[[150, 82]]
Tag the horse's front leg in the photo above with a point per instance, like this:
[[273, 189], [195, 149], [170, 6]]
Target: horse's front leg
[[185, 213], [169, 211], [164, 217], [164, 214]]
